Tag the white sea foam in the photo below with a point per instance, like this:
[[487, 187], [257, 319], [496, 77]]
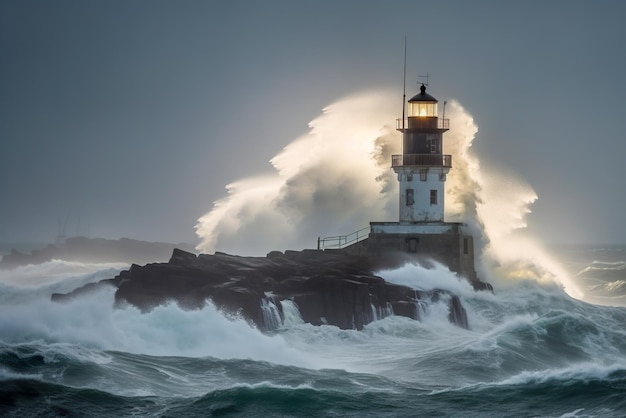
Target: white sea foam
[[579, 372], [92, 321], [291, 313], [39, 281], [615, 286], [53, 271], [418, 277], [10, 375], [603, 267], [574, 413], [489, 340], [268, 384]]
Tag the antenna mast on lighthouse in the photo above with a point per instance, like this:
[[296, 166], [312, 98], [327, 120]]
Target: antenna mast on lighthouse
[[404, 86]]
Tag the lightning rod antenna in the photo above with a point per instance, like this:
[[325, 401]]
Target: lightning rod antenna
[[404, 86]]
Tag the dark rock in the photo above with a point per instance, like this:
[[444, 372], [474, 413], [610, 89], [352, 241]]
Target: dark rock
[[480, 285], [404, 308], [457, 314], [181, 257], [328, 287]]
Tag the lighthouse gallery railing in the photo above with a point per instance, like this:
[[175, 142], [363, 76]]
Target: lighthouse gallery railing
[[423, 122], [432, 160]]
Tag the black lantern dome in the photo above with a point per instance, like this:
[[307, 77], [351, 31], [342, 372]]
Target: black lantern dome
[[423, 104]]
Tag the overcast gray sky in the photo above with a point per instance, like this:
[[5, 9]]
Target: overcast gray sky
[[134, 115]]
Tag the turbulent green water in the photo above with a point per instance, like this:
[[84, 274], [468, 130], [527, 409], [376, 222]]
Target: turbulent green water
[[531, 351]]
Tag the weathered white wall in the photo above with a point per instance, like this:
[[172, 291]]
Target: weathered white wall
[[421, 210]]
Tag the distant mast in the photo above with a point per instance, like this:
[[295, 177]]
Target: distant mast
[[61, 237]]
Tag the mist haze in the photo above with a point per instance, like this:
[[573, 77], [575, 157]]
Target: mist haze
[[129, 119]]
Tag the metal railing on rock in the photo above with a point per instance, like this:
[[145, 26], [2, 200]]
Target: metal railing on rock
[[342, 241]]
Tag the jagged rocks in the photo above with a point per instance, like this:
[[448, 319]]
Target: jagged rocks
[[328, 288]]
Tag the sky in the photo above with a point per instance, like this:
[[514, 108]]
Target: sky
[[129, 118]]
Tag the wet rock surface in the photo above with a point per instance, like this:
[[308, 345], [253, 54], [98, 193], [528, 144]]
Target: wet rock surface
[[327, 287]]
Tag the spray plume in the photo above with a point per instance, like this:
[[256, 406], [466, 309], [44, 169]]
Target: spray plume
[[337, 178], [331, 181]]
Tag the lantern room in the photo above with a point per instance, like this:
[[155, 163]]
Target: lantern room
[[422, 104]]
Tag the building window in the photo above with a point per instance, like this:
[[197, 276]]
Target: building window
[[432, 145], [409, 197], [423, 174], [412, 244], [409, 177], [433, 197], [442, 177], [465, 246]]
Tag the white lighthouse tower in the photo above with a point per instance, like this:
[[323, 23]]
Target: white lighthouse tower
[[421, 231], [422, 166]]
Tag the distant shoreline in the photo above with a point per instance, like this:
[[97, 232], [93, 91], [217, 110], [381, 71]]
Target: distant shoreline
[[82, 249]]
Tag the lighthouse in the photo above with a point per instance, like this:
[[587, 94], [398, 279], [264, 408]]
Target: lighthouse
[[421, 232], [422, 167]]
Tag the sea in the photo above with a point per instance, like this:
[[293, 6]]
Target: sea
[[531, 350]]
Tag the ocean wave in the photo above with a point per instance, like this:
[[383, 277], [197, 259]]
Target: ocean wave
[[6, 374], [525, 341], [615, 286], [29, 283], [93, 321], [26, 398], [36, 274], [565, 394], [581, 372], [598, 267]]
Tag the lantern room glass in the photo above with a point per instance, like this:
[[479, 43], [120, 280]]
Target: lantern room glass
[[428, 109]]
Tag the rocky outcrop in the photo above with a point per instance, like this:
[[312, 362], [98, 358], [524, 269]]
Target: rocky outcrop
[[479, 286], [328, 288]]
